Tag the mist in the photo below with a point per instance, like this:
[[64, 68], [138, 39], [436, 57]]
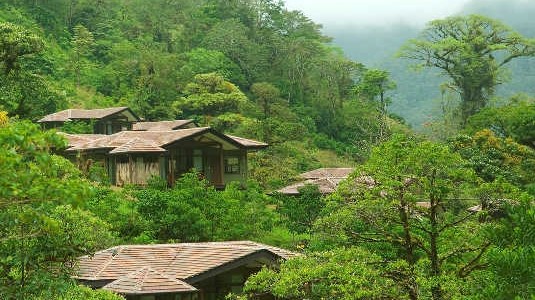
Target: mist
[[375, 12], [372, 31]]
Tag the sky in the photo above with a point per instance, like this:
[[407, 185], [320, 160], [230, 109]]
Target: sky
[[375, 12]]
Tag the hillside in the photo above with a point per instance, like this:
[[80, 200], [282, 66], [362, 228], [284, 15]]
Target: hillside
[[169, 210], [417, 97], [251, 69]]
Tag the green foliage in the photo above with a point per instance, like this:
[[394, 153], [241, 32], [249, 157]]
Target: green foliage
[[82, 41], [210, 94], [77, 126], [79, 292], [404, 204], [23, 91], [194, 211], [351, 273], [203, 61], [302, 210], [471, 51], [510, 274], [16, 43], [119, 210], [493, 157], [515, 120], [43, 232]]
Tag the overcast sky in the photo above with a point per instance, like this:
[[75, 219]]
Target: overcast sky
[[375, 12]]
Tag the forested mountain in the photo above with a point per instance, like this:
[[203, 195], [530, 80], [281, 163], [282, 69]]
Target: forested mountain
[[246, 67], [444, 215], [418, 97]]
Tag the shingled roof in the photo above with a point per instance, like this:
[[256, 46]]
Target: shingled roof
[[137, 145], [148, 281], [150, 141], [162, 125], [326, 179], [82, 114], [325, 186], [247, 142], [327, 173], [184, 261]]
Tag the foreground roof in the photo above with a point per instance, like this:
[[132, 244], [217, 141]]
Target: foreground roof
[[83, 114], [182, 261], [148, 281]]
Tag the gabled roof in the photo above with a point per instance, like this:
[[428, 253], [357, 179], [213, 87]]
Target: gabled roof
[[156, 138], [163, 125], [138, 145], [179, 261], [148, 281], [75, 140], [247, 143], [152, 141], [84, 114]]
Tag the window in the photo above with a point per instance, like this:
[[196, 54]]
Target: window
[[232, 165], [197, 160]]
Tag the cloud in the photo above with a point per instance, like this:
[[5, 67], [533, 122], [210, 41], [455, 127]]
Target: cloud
[[375, 12]]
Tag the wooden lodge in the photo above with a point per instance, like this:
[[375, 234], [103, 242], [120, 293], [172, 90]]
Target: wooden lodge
[[167, 149]]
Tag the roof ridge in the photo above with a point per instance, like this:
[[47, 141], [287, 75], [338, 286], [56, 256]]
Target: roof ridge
[[120, 249], [141, 281]]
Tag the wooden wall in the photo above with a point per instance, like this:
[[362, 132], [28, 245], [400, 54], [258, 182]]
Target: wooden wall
[[136, 169]]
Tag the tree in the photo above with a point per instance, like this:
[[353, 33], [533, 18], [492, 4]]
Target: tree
[[23, 92], [210, 94], [493, 157], [472, 51], [42, 230], [194, 211], [302, 210], [515, 120], [404, 204], [373, 87], [82, 41], [202, 61], [511, 261], [339, 274], [16, 43]]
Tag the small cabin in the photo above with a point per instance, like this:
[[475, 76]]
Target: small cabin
[[103, 120], [132, 157]]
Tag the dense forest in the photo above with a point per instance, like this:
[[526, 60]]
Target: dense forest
[[443, 213]]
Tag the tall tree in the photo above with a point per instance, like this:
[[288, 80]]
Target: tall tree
[[403, 204], [472, 51], [82, 41], [39, 238], [374, 86]]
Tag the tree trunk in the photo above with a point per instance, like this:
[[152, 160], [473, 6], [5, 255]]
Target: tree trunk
[[436, 289], [412, 286]]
